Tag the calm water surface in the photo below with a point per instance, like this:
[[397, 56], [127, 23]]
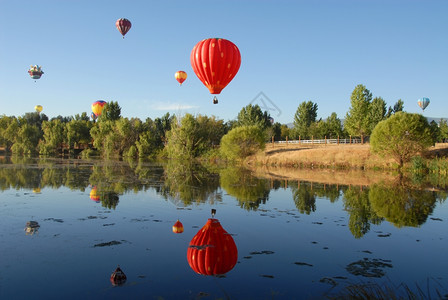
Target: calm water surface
[[295, 240]]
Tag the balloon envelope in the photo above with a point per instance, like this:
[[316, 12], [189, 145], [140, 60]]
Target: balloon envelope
[[97, 107], [38, 108], [35, 71], [180, 76], [215, 62], [423, 103], [123, 25]]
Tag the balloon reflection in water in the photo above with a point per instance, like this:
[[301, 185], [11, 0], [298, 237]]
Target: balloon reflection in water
[[212, 251], [118, 277], [31, 227], [94, 195], [178, 227]]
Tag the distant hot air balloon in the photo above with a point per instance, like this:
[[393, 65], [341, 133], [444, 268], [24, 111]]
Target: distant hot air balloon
[[215, 61], [123, 25], [180, 76], [423, 103], [212, 251], [97, 107], [93, 116], [38, 108], [35, 71], [178, 227]]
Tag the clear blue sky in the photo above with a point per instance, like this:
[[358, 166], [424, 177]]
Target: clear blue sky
[[292, 51]]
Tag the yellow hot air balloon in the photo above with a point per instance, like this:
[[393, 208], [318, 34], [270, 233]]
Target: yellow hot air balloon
[[38, 108], [180, 76]]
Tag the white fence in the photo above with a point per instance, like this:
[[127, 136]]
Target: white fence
[[324, 141]]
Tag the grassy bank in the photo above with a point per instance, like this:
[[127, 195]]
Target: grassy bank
[[331, 156]]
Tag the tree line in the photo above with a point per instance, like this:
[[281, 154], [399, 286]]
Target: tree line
[[188, 136]]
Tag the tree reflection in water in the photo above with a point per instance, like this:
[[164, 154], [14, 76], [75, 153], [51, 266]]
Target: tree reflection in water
[[403, 204], [248, 190]]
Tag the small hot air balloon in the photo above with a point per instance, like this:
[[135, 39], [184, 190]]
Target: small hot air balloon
[[215, 62], [423, 103], [35, 72], [118, 277], [212, 251], [178, 227], [180, 76], [38, 108], [123, 25], [97, 107]]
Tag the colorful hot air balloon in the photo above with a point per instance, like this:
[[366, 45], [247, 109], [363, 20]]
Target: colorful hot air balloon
[[178, 227], [215, 61], [180, 76], [35, 71], [212, 250], [94, 195], [423, 103], [97, 107], [123, 25], [38, 108]]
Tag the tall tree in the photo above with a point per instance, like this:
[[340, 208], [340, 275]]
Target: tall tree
[[253, 115], [111, 112], [306, 114], [377, 112], [357, 119], [398, 106], [333, 126]]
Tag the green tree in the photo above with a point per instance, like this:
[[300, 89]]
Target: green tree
[[398, 106], [285, 132], [402, 136], [8, 129], [304, 198], [253, 115], [357, 120], [184, 139], [26, 139], [333, 126], [77, 131], [377, 112], [110, 112], [443, 131], [306, 114], [242, 141], [53, 137]]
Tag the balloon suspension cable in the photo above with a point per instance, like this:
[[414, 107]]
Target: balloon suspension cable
[[213, 213], [215, 100]]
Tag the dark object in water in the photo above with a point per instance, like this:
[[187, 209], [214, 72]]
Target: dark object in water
[[31, 227], [118, 277]]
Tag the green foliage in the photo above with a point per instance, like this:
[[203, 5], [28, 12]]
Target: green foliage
[[248, 190], [77, 132], [241, 142], [357, 121], [398, 106], [400, 205], [8, 129], [110, 112], [26, 139], [306, 115], [443, 126], [53, 137], [402, 136], [304, 198], [253, 115], [377, 112]]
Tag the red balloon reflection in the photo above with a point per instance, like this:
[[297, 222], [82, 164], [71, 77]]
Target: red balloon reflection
[[212, 250]]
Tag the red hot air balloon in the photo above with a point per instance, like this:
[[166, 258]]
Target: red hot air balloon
[[180, 76], [123, 25], [178, 227], [212, 250], [215, 61]]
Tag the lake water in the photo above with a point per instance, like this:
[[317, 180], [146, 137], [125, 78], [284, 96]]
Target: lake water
[[65, 225]]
